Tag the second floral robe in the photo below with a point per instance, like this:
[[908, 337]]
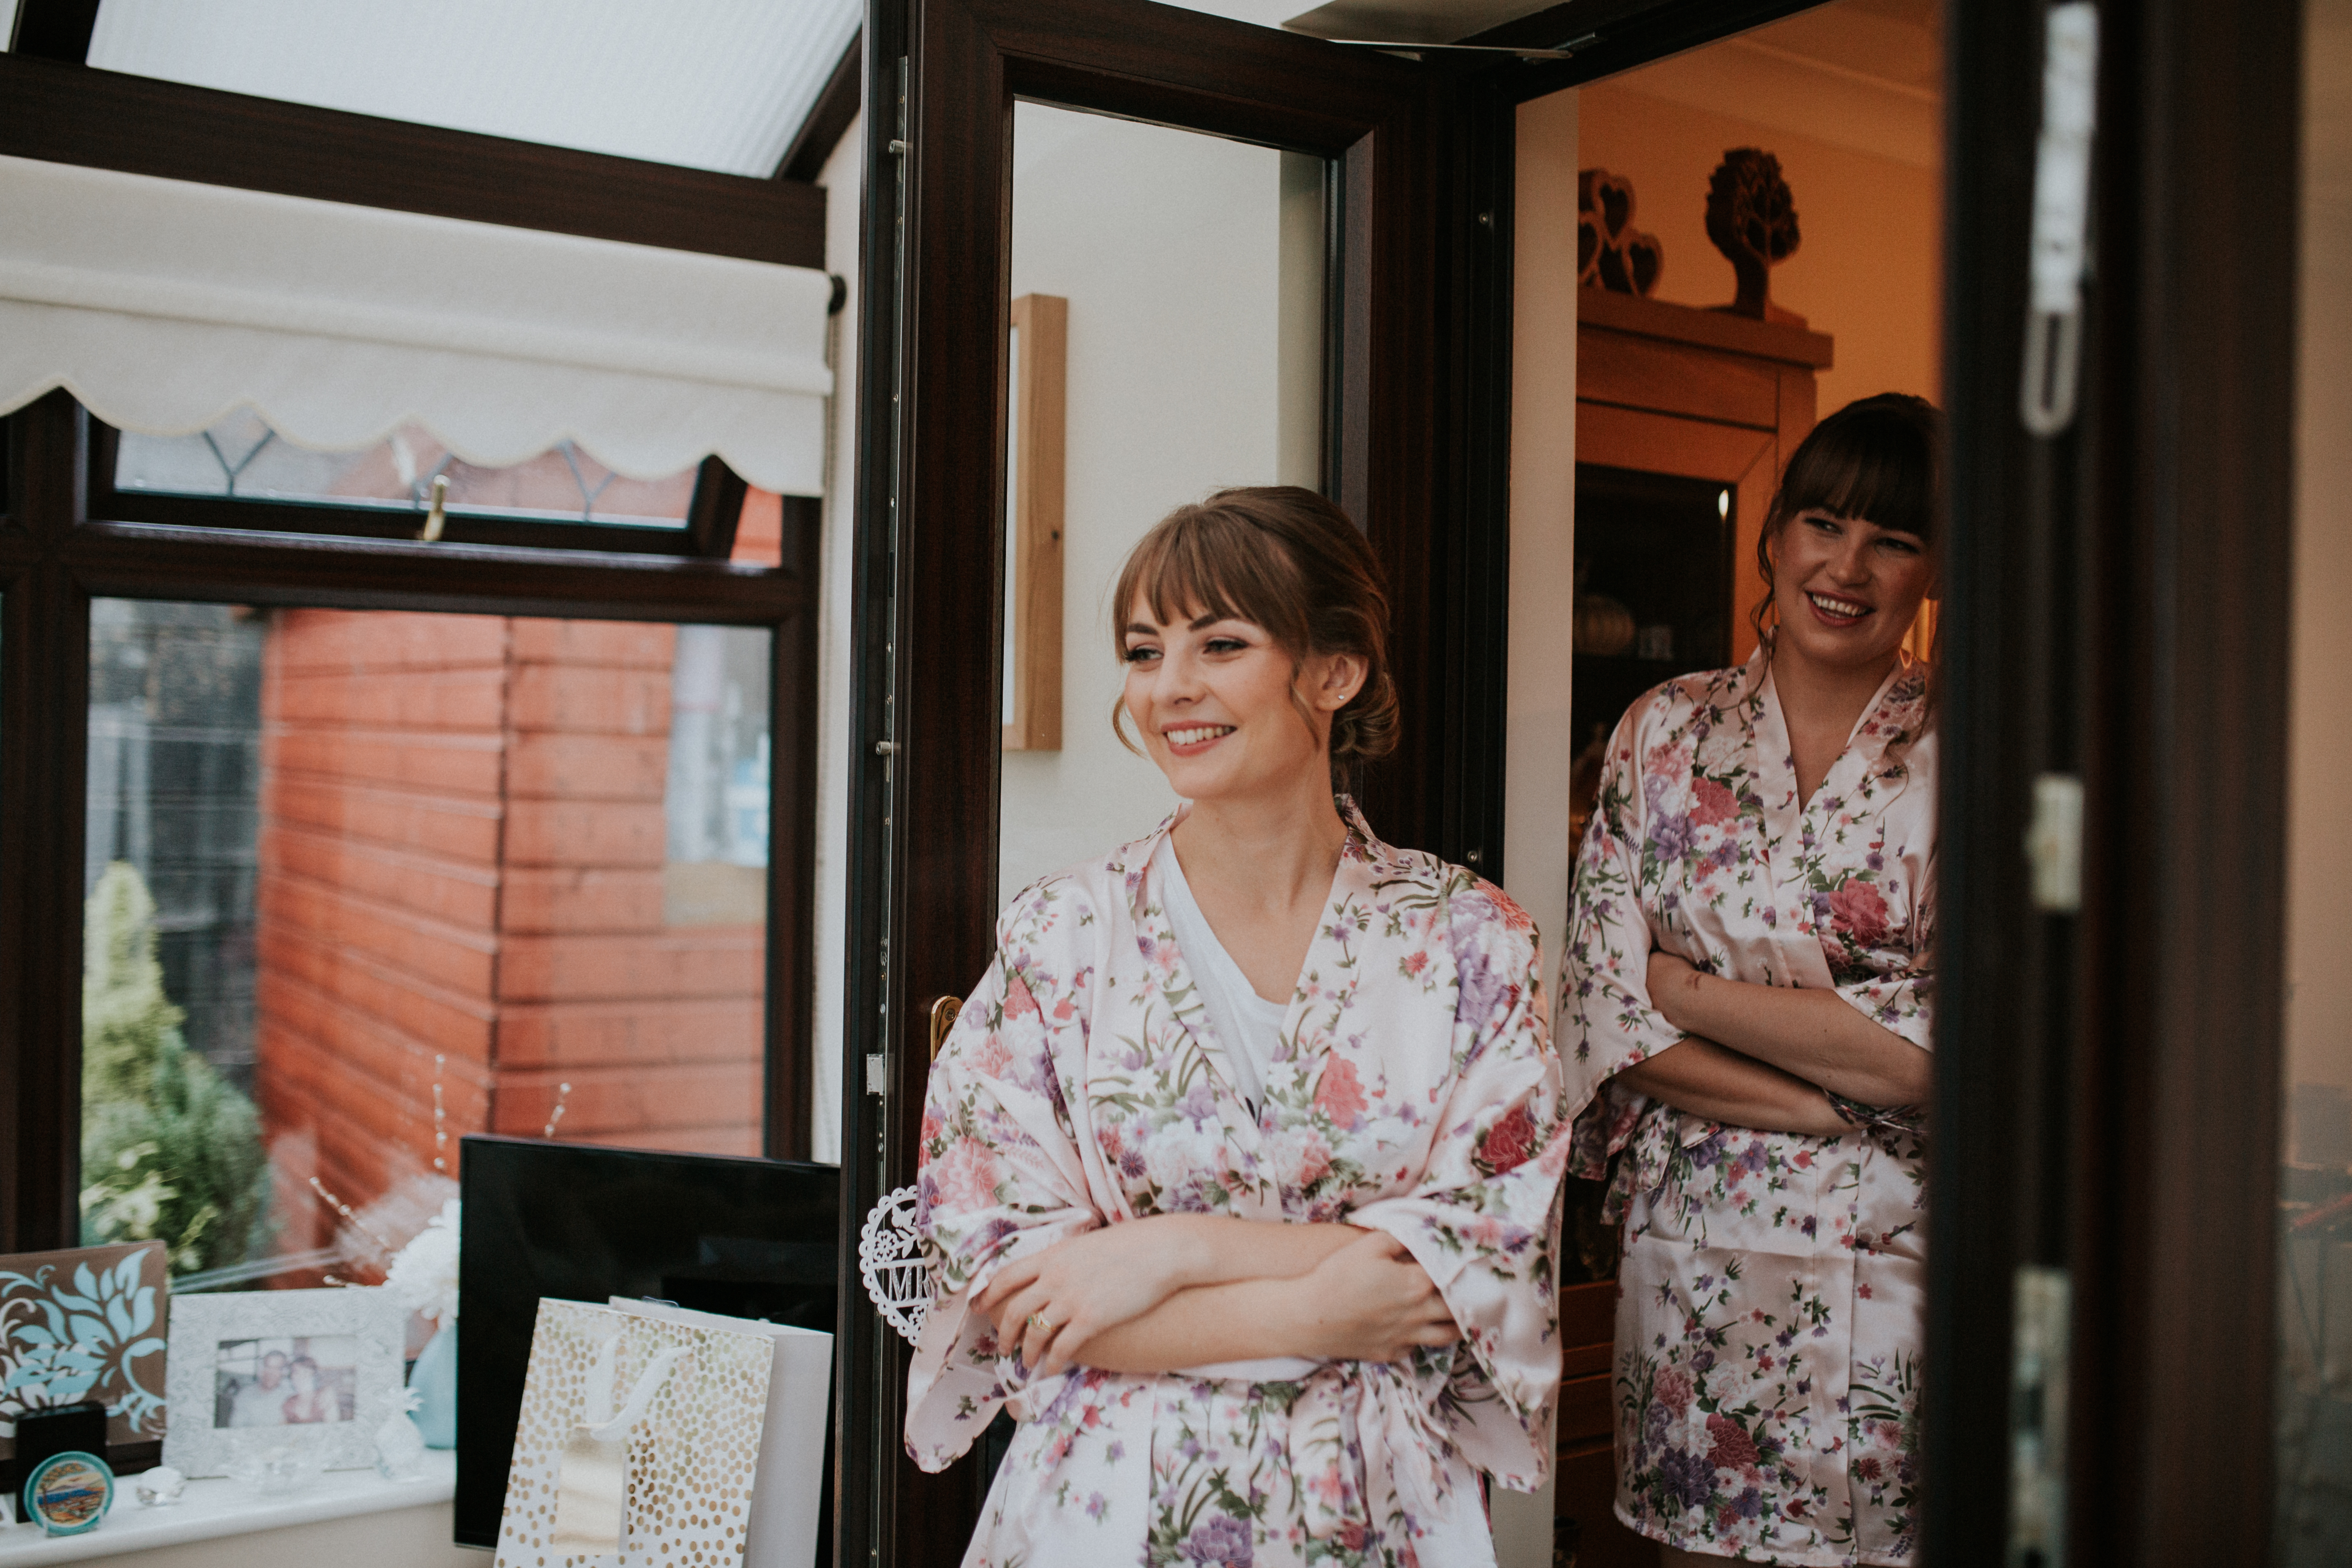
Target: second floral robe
[[1772, 1288]]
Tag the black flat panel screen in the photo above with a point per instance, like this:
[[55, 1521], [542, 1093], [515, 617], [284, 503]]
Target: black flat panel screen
[[752, 1239]]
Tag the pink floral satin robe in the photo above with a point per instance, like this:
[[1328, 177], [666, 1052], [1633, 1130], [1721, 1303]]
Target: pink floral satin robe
[[1415, 1091], [1772, 1293]]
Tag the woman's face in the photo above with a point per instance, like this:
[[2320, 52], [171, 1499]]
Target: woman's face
[[1846, 589], [1213, 699], [306, 1378]]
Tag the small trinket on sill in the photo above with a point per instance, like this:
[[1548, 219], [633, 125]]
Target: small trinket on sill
[[69, 1493], [399, 1448], [158, 1488], [275, 1471]]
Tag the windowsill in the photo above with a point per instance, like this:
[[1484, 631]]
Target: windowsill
[[218, 1507]]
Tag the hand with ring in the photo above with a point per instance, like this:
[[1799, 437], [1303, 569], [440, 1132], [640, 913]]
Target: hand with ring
[[1049, 1304]]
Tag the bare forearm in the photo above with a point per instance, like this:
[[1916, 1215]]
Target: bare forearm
[[1816, 1034], [1216, 1249], [1705, 1079], [1242, 1320]]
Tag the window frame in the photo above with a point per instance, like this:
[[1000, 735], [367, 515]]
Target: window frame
[[59, 549]]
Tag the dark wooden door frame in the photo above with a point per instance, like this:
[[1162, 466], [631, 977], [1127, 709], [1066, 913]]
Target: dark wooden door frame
[[925, 748], [2189, 556], [2108, 1089]]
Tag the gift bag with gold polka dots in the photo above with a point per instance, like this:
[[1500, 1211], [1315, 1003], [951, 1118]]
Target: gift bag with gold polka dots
[[638, 1442]]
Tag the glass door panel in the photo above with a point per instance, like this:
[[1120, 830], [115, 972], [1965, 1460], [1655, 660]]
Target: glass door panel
[[1188, 271]]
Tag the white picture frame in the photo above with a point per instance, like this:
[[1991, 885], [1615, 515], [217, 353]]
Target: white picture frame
[[253, 1371]]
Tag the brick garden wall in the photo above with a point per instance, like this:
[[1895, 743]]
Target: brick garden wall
[[462, 855]]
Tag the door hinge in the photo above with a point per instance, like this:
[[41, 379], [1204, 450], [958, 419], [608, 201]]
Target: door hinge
[[2037, 1418], [2053, 844]]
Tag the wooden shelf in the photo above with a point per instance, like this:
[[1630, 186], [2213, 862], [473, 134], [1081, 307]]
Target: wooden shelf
[[1779, 341]]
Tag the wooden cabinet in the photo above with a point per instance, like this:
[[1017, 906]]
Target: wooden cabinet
[[1697, 395], [1587, 1487]]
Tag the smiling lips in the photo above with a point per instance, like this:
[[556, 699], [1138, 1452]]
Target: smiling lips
[[1194, 738], [1837, 612]]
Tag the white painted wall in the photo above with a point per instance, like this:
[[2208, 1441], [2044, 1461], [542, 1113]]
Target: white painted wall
[[1167, 246], [1539, 747], [843, 179]]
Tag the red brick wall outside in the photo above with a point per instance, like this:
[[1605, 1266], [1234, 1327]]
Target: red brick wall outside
[[461, 855]]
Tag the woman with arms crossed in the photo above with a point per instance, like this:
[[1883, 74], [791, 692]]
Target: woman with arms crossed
[[1745, 978], [1241, 1167]]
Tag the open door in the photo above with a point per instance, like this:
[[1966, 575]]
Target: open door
[[2107, 1110], [1330, 313]]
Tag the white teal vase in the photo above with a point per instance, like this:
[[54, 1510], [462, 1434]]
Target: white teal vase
[[435, 1380]]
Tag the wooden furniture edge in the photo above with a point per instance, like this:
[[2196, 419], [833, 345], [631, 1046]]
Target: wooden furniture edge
[[1607, 309]]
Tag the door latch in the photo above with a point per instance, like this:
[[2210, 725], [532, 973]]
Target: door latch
[[2062, 218]]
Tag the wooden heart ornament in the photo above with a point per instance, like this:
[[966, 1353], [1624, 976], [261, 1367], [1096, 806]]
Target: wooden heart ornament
[[1646, 261], [1611, 253], [1609, 197]]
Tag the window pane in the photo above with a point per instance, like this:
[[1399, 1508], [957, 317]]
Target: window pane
[[243, 456], [362, 882]]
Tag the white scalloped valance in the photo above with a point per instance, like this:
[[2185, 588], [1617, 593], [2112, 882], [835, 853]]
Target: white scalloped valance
[[163, 306]]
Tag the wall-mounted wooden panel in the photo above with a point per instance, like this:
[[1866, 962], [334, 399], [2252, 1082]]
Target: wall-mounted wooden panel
[[1032, 555]]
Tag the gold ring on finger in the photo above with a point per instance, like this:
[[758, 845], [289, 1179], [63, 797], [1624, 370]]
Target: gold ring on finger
[[1038, 1320]]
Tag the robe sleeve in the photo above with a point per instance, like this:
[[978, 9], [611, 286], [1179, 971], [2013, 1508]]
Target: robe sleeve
[[1484, 1219], [1903, 1000], [1607, 1022], [1001, 1174]]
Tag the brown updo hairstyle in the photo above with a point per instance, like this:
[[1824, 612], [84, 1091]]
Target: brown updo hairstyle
[[1285, 558], [1878, 458]]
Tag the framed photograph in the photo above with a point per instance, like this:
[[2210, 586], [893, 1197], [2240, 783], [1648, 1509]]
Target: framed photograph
[[85, 1323], [260, 1370]]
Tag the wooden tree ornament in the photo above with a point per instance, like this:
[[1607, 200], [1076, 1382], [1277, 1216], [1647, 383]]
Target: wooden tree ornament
[[1751, 217]]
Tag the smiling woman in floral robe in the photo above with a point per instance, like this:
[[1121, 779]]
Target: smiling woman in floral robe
[[1414, 1092], [1772, 1287], [1746, 995]]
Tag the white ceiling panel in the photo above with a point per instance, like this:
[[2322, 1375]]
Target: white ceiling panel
[[708, 84]]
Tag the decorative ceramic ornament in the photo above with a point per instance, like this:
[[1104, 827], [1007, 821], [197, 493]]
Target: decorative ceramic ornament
[[69, 1493]]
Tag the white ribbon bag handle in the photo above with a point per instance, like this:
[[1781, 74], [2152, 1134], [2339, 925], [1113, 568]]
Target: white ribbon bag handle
[[607, 1427], [591, 1475]]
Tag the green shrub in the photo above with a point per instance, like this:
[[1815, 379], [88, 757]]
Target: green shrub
[[170, 1150]]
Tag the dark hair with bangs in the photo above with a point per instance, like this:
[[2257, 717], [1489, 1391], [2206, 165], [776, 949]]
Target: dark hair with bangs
[[1286, 558], [1878, 458]]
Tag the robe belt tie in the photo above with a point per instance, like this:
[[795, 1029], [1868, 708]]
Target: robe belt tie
[[1364, 1447]]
